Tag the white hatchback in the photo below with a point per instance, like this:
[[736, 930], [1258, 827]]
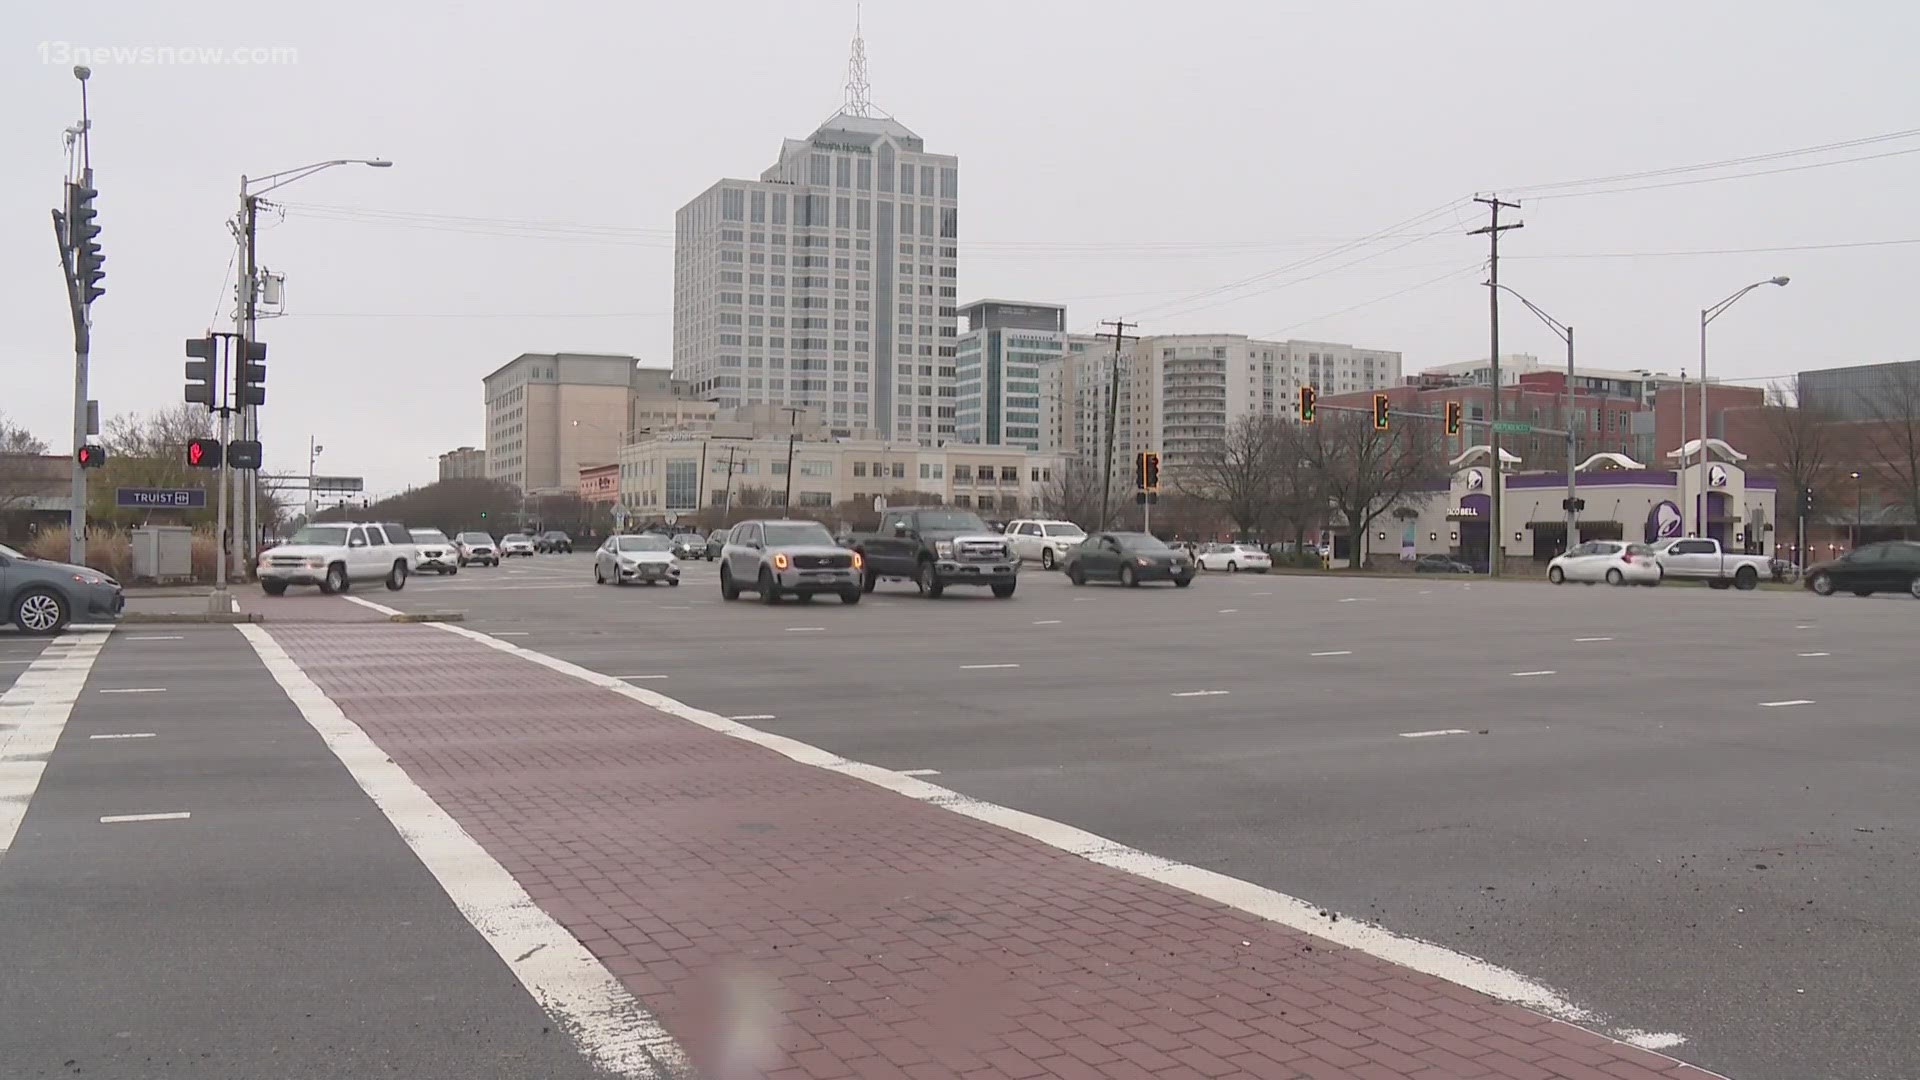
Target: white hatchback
[[1612, 561], [1234, 557]]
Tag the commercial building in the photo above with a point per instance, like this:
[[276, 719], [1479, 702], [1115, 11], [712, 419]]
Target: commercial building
[[1007, 380], [1515, 368], [1602, 422], [830, 282], [1858, 393], [548, 414], [466, 463]]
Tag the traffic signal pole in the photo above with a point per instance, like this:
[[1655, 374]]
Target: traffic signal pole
[[245, 508], [80, 263]]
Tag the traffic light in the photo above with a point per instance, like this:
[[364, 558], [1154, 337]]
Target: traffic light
[[203, 370], [1140, 471], [253, 375], [83, 236], [1806, 502], [1308, 397], [1150, 471], [1381, 407], [1455, 414], [91, 456], [203, 453], [243, 454]]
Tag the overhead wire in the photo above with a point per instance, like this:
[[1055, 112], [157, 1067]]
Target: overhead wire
[[1724, 163]]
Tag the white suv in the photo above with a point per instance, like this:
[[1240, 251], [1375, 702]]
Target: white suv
[[1046, 542], [339, 555]]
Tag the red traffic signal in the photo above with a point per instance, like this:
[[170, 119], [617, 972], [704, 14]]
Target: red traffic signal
[[90, 456], [203, 453]]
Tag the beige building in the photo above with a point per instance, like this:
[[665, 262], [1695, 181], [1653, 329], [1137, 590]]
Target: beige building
[[466, 463], [550, 414]]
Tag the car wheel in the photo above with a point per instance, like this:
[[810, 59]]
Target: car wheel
[[728, 590], [274, 588], [1182, 582], [598, 577], [805, 597], [1615, 577], [673, 581], [1046, 558], [397, 577], [928, 584], [1128, 578], [1821, 584], [452, 570], [1914, 587], [870, 580], [769, 592], [335, 580], [1746, 579], [1003, 591], [40, 611], [1556, 575], [1232, 567], [1076, 575], [851, 596]]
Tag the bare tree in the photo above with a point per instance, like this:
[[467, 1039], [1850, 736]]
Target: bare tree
[[1796, 444], [1368, 472], [1075, 494], [1238, 473], [1299, 487], [1893, 435], [15, 439]]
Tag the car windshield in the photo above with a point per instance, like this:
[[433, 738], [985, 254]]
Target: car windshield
[[795, 533], [516, 536], [687, 538], [1140, 542], [555, 535], [475, 538], [952, 521], [321, 535], [643, 543], [427, 536], [1067, 529]]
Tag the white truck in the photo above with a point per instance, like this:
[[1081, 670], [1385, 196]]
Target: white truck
[[1692, 558], [339, 555]]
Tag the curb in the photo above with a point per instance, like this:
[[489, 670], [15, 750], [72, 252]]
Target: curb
[[163, 617], [429, 617]]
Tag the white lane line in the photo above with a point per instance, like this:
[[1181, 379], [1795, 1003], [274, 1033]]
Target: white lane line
[[1804, 626], [115, 819], [371, 606], [1046, 622], [1810, 654], [511, 633], [1333, 652], [1263, 593], [1426, 592], [1350, 600], [36, 707], [639, 676], [985, 667], [1422, 956], [919, 772], [137, 690], [1783, 704], [755, 716], [1201, 693], [1439, 731], [676, 607], [803, 629], [615, 1030], [156, 637], [16, 661], [1584, 640], [1531, 674], [125, 735], [1229, 611]]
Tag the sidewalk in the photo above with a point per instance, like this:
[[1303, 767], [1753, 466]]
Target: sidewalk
[[785, 918]]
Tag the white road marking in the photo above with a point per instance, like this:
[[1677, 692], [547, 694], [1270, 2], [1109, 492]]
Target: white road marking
[[1422, 956], [156, 637], [1263, 594], [1816, 654], [1333, 652], [115, 819], [800, 629], [1229, 610], [1046, 622], [1782, 704], [125, 735], [1804, 626], [36, 707], [755, 716], [676, 607], [1201, 693], [640, 676], [1350, 600], [1426, 592], [235, 601], [1584, 640], [615, 1030], [919, 772], [371, 606], [137, 690], [985, 667], [511, 633], [1440, 731], [16, 661], [1531, 674]]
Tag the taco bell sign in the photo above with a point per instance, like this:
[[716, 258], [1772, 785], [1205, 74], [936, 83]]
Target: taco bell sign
[[1663, 521]]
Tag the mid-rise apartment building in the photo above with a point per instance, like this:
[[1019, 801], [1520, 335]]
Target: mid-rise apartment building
[[549, 414], [465, 463]]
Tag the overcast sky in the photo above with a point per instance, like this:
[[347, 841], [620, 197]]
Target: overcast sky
[[1119, 156]]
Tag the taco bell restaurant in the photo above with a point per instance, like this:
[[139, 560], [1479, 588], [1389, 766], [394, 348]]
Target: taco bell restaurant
[[1624, 500]]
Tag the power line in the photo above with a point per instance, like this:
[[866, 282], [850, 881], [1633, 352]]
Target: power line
[[1718, 251], [1726, 163], [1717, 179], [1454, 273]]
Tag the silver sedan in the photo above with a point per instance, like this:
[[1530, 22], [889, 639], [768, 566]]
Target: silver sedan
[[643, 557]]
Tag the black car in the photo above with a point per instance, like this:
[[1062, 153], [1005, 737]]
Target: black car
[[689, 546], [1440, 564], [1893, 566], [553, 542], [716, 540], [1128, 558]]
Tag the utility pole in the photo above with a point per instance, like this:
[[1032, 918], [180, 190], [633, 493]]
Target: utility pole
[[1492, 231], [246, 525], [726, 498], [793, 418], [1120, 327], [81, 266]]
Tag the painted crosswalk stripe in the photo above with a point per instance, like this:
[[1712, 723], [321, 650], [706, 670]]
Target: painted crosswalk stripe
[[137, 690], [125, 735], [1531, 674], [1333, 652], [114, 819], [1046, 622], [156, 637], [1810, 654], [639, 676], [1783, 704], [919, 772], [985, 667], [1201, 693], [803, 629], [753, 716], [1428, 734], [1583, 640]]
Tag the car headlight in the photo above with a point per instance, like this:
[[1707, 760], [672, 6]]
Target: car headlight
[[858, 562], [1144, 561], [780, 561], [316, 564], [943, 548]]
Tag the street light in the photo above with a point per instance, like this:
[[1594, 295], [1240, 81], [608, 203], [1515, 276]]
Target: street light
[[1853, 535], [1707, 315], [313, 454], [1565, 333]]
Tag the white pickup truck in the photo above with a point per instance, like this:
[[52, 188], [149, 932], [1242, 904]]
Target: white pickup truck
[[1694, 558]]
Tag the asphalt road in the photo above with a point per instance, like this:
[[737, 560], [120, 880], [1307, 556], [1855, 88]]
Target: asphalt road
[[1691, 811], [281, 930], [17, 650]]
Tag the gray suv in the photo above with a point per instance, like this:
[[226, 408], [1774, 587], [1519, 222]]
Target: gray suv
[[780, 558]]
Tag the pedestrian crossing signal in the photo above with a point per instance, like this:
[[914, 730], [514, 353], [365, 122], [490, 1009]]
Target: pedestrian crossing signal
[[1455, 415], [1382, 406], [203, 453], [90, 456]]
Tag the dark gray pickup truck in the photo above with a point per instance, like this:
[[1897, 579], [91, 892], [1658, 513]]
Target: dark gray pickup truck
[[936, 547]]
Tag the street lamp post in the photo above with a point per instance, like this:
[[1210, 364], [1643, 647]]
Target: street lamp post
[[1565, 334], [1707, 315], [1853, 535], [313, 455]]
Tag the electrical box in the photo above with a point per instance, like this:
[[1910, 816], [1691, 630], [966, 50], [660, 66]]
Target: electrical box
[[163, 553]]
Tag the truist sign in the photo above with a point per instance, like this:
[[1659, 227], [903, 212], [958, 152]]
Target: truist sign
[[1663, 521]]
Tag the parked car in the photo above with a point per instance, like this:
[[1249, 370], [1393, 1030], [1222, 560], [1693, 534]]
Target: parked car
[[782, 558], [1615, 562], [1703, 559], [1891, 566], [516, 544], [1234, 558], [42, 597], [437, 554], [716, 540], [689, 546], [1440, 564], [1043, 541], [636, 557], [1128, 558], [477, 547], [554, 542], [337, 556], [937, 547]]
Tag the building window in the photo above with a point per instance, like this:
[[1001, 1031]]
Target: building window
[[820, 170], [816, 468], [859, 468], [733, 205], [683, 485]]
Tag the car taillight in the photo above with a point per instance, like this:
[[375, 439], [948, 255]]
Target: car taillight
[[779, 562]]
